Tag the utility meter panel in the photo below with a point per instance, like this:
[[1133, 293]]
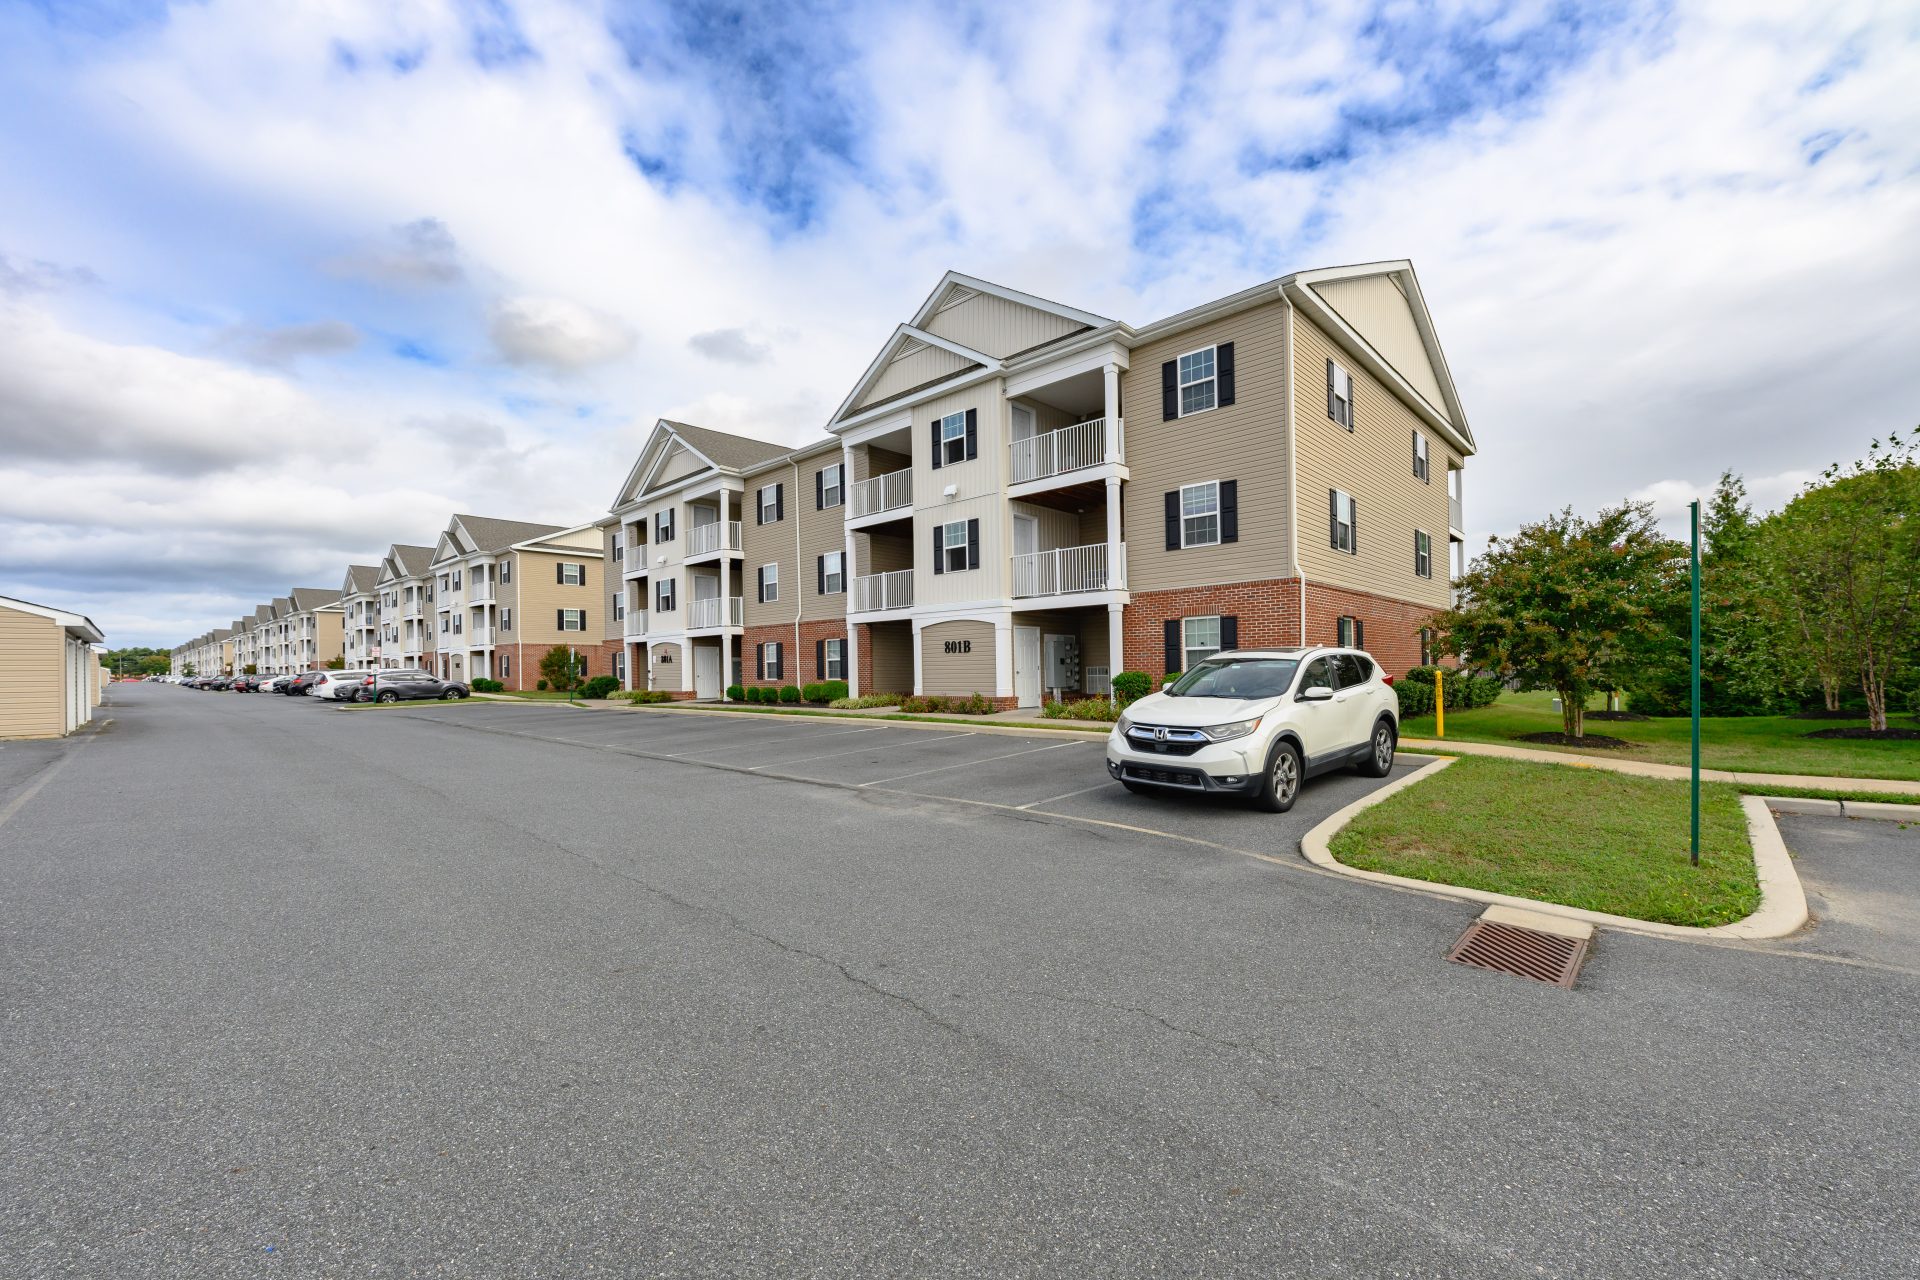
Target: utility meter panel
[[1063, 662]]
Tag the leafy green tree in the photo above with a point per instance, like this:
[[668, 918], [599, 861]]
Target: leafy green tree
[[1572, 605], [557, 665]]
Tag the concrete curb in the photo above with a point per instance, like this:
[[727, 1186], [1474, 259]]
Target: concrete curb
[[1783, 903], [1647, 769]]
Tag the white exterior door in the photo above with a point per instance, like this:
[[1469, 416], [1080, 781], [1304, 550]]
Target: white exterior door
[[1026, 565], [706, 671], [1026, 666]]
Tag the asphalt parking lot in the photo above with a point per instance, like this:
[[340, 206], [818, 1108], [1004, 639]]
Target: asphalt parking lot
[[503, 990]]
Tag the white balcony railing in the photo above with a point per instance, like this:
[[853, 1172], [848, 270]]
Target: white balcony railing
[[705, 538], [708, 612], [883, 493], [480, 592], [1066, 570], [478, 637], [1082, 445], [874, 592], [1454, 515], [635, 624]]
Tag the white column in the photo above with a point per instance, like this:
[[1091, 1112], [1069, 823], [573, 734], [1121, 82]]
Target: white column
[[1113, 532], [919, 679], [848, 570], [1116, 619], [1003, 657], [1112, 389]]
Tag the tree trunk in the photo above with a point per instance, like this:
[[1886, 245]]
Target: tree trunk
[[1573, 714], [1830, 690], [1874, 685]]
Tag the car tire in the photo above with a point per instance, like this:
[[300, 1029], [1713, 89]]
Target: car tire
[[1281, 785], [1380, 749], [387, 695], [451, 695]]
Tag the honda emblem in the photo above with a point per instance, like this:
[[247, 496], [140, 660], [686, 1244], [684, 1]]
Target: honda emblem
[[1159, 734]]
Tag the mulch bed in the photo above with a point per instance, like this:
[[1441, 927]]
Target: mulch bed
[[1870, 735], [1616, 715], [1823, 714], [1588, 740]]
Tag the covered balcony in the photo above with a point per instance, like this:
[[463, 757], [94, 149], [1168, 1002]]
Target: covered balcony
[[1069, 448], [880, 592], [1066, 571], [712, 538], [891, 491], [713, 612], [634, 626]]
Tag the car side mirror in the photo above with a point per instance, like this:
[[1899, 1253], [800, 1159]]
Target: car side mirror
[[1315, 693], [1165, 685]]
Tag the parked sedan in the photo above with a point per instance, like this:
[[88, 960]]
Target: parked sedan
[[302, 683], [243, 684], [408, 683], [337, 686]]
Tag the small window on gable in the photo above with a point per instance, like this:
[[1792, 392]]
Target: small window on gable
[[1339, 395], [1200, 515], [1420, 468], [1198, 389], [953, 440]]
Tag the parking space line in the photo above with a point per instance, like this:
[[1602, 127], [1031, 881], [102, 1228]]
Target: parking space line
[[967, 764], [1098, 786], [822, 755]]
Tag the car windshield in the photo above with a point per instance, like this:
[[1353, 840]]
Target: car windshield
[[1248, 678]]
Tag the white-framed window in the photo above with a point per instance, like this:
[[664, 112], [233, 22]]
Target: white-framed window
[[456, 579], [953, 440], [769, 503], [663, 596], [833, 572], [1200, 514], [506, 571], [1350, 633], [770, 661], [573, 619], [663, 526], [1421, 471], [620, 666], [572, 575], [1342, 517], [1422, 554], [506, 619], [833, 487], [619, 549], [1426, 646], [443, 582], [836, 655], [769, 582], [456, 624], [1198, 389], [1339, 395], [619, 606], [1199, 640], [506, 666], [953, 546]]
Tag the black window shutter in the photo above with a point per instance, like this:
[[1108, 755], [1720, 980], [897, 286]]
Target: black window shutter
[[820, 490], [759, 662], [1169, 390], [973, 433], [936, 444], [760, 584], [820, 575], [559, 572], [780, 502], [1333, 518], [583, 620], [1223, 372], [759, 508], [559, 619], [939, 548], [1359, 633], [1229, 631], [1174, 657], [1332, 409], [1353, 524], [819, 659], [1229, 511], [973, 544], [1173, 519]]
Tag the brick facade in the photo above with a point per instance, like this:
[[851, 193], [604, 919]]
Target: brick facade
[[797, 658], [1391, 628], [1269, 617], [525, 672]]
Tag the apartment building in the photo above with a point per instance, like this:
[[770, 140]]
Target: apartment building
[[998, 522], [49, 670], [507, 591], [360, 616], [404, 588]]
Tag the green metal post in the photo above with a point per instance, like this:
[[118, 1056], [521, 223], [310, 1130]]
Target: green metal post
[[1695, 509]]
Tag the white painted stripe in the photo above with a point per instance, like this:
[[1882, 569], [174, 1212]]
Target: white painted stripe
[[968, 764]]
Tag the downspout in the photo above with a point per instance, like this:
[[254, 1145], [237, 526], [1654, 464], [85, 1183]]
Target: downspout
[[1293, 465], [798, 570]]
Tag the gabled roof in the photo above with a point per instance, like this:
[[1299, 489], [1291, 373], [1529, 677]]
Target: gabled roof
[[404, 560], [721, 450], [76, 624], [484, 534], [282, 606], [954, 279], [306, 599], [361, 579], [263, 613]]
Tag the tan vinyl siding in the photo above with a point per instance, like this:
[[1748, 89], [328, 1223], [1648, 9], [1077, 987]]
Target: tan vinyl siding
[[1380, 312], [1374, 463], [818, 532], [994, 325], [678, 465], [921, 364], [610, 570], [672, 675], [32, 676], [881, 553], [1244, 441], [870, 460], [821, 533], [538, 596], [979, 484], [892, 657], [957, 674]]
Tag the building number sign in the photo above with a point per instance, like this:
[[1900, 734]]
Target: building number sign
[[959, 646]]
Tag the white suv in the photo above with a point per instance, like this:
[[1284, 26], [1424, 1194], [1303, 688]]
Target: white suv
[[1259, 722]]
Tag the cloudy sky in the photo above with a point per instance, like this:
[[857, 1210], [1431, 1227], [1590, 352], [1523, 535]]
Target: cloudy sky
[[283, 283]]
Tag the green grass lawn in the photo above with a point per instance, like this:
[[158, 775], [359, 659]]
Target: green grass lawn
[[535, 695], [1750, 744], [1582, 837]]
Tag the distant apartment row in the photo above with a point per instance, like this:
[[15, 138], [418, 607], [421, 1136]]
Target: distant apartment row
[[1017, 499]]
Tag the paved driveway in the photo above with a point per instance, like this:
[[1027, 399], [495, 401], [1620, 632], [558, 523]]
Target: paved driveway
[[502, 991]]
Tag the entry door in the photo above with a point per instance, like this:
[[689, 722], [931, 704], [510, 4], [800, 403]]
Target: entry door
[[1026, 666], [706, 671]]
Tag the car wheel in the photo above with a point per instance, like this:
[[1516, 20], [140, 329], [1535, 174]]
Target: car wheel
[[1379, 761], [1281, 787], [388, 695], [451, 695]]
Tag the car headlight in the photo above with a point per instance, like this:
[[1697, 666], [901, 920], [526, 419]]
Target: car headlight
[[1123, 724], [1237, 729]]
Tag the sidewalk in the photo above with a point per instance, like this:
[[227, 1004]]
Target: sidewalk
[[1644, 769]]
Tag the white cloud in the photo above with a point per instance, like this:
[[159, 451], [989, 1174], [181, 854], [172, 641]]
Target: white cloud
[[421, 252], [731, 346], [556, 334], [259, 344]]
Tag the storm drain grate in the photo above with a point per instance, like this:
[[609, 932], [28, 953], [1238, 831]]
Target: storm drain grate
[[1524, 953]]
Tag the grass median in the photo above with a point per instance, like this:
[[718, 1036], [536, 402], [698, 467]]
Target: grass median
[[1581, 837]]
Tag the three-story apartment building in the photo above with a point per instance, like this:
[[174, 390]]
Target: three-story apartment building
[[404, 588], [360, 616], [507, 591], [1030, 497]]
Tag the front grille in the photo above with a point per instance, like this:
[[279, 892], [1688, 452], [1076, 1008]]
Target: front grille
[[1178, 742], [1165, 777]]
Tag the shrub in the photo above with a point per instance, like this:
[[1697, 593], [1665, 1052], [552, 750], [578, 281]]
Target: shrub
[[1416, 699], [541, 686], [638, 696], [865, 701], [599, 687], [559, 667], [1465, 691], [973, 705], [1171, 676], [790, 693], [736, 693], [1129, 685], [482, 684], [1083, 709], [824, 692]]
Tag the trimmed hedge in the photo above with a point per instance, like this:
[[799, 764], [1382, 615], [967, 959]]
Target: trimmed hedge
[[483, 685], [1131, 685], [865, 701], [600, 687], [1084, 709], [638, 696], [736, 693], [790, 693], [973, 705], [541, 687], [824, 691], [1465, 691]]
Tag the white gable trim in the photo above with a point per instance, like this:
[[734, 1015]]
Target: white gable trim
[[932, 305], [890, 351]]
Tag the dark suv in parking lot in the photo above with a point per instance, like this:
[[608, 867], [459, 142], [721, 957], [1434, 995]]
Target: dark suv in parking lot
[[405, 683]]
